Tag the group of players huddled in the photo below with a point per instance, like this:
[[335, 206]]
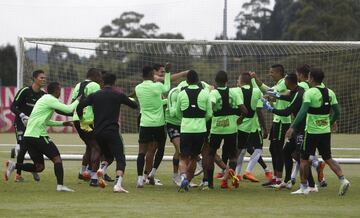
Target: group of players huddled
[[198, 118]]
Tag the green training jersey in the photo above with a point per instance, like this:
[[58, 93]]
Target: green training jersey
[[185, 84], [304, 85], [224, 124], [91, 87], [280, 87], [151, 104], [43, 110], [193, 125], [251, 124], [170, 111], [318, 124]]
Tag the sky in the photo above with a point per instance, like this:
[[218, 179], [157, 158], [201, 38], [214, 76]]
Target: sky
[[195, 19]]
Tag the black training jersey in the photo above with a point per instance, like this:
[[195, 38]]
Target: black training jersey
[[106, 107], [24, 101]]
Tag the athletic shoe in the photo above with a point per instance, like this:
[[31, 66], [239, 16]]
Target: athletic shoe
[[86, 175], [193, 185], [140, 182], [268, 175], [204, 186], [344, 186], [224, 184], [36, 176], [269, 183], [10, 167], [99, 173], [234, 178], [63, 188], [19, 178], [276, 184], [282, 185], [323, 183], [102, 183], [184, 185], [199, 168], [320, 171], [119, 189], [93, 183], [107, 178], [301, 192], [219, 175], [250, 176], [293, 181], [313, 189], [150, 181]]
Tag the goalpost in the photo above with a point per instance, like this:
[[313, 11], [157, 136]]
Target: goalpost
[[66, 60]]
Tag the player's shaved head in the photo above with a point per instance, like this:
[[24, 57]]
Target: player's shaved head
[[192, 77], [221, 77], [148, 72], [317, 75], [93, 73], [245, 78], [279, 68], [303, 70], [291, 78], [109, 79]]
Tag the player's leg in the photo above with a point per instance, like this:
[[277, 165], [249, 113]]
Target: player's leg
[[160, 138], [185, 144], [255, 140], [242, 147], [197, 141], [145, 140], [288, 150], [215, 141], [174, 135], [230, 149], [84, 173]]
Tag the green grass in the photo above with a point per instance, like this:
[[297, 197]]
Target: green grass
[[32, 199]]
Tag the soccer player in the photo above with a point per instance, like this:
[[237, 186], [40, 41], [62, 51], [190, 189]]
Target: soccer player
[[106, 106], [152, 121], [317, 105], [22, 106], [249, 131], [226, 105], [293, 145], [90, 85], [194, 107], [37, 139], [280, 123]]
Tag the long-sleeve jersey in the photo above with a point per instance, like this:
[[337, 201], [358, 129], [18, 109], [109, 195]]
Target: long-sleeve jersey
[[43, 110], [106, 107]]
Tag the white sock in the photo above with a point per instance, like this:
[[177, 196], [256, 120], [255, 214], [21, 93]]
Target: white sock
[[140, 179], [119, 181], [93, 175], [104, 168], [315, 161], [253, 160], [295, 170], [152, 173], [82, 169], [183, 176], [240, 161], [278, 179]]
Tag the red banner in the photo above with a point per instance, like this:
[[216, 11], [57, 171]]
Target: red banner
[[7, 94]]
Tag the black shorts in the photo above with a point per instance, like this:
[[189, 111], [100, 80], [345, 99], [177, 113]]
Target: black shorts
[[278, 130], [249, 140], [229, 146], [85, 136], [173, 131], [151, 134], [320, 141], [19, 131], [191, 143], [37, 147]]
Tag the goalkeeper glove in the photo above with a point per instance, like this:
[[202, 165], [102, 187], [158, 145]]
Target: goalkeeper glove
[[273, 93], [24, 119], [267, 105], [86, 126]]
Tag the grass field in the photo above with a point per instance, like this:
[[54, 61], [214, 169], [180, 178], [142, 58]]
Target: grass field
[[40, 199]]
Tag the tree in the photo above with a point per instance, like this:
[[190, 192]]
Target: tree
[[8, 65]]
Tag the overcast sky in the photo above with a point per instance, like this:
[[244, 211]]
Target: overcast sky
[[195, 19]]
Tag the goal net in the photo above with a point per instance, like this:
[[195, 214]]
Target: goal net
[[67, 61]]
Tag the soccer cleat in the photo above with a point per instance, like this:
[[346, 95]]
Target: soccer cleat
[[63, 188], [344, 186], [107, 178], [323, 183], [93, 183], [19, 178], [313, 189], [219, 175], [234, 179], [224, 184], [150, 181], [86, 175], [119, 189], [140, 182], [10, 167], [293, 181], [199, 168], [184, 185], [268, 175], [320, 170], [99, 173], [269, 183], [301, 192], [250, 176], [36, 176], [275, 185]]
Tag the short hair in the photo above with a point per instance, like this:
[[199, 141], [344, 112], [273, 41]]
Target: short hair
[[52, 87], [192, 77], [291, 77], [109, 78], [317, 74], [304, 70], [146, 71], [221, 77], [246, 78], [280, 68], [157, 66], [93, 72], [36, 73]]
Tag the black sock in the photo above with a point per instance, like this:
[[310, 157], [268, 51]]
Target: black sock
[[28, 167], [176, 162], [59, 173], [159, 156], [311, 179], [140, 164]]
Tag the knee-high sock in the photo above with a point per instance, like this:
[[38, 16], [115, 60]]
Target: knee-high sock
[[295, 170], [140, 164], [240, 161], [253, 160], [59, 173]]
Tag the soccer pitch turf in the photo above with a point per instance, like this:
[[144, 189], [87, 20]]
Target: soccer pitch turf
[[40, 199]]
